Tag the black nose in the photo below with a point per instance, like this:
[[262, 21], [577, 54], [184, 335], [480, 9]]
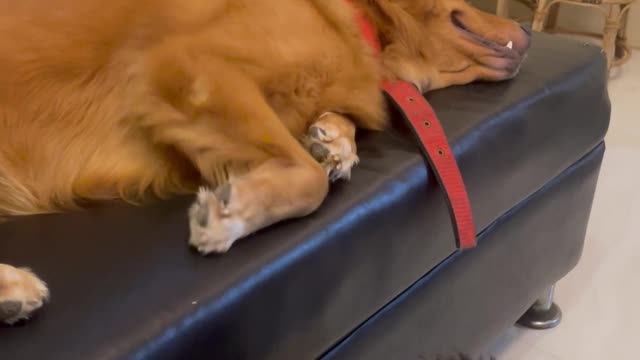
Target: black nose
[[526, 30]]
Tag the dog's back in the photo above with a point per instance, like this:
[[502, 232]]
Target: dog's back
[[75, 76], [62, 64]]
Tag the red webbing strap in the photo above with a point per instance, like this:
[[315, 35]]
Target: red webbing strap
[[433, 142]]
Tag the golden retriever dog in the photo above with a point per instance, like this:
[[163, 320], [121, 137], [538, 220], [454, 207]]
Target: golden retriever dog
[[257, 100]]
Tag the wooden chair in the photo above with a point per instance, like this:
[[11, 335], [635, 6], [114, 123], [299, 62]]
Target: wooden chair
[[613, 36]]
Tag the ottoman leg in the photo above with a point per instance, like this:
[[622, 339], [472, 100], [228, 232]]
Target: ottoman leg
[[543, 314]]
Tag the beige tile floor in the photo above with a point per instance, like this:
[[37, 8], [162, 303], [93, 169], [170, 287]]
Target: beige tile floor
[[600, 298]]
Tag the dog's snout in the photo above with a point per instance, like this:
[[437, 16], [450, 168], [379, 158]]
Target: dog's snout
[[526, 30], [521, 36]]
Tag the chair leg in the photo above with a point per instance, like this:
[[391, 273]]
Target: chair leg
[[611, 30], [622, 32], [502, 8], [622, 51], [543, 314], [552, 16], [540, 15]]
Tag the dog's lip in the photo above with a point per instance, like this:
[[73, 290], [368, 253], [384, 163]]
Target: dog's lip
[[504, 50]]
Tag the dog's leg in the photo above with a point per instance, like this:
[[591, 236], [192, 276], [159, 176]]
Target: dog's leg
[[230, 122], [284, 186], [331, 141], [21, 293], [279, 188]]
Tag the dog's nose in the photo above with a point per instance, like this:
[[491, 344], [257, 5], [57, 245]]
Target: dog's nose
[[526, 30]]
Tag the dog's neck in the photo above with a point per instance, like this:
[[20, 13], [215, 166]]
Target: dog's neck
[[375, 24], [378, 14], [366, 26], [372, 23]]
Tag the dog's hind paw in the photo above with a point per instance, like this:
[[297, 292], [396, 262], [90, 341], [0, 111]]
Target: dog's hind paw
[[21, 294], [331, 141], [213, 227]]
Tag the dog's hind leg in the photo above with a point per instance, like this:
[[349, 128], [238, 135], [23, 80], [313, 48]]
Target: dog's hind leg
[[21, 293], [232, 129]]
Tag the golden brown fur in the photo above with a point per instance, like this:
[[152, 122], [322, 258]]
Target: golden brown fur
[[95, 92], [137, 99]]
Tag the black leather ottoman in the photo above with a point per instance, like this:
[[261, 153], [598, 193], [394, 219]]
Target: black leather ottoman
[[374, 274]]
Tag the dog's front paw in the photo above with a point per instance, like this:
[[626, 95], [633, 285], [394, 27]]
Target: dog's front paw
[[21, 294], [331, 141], [213, 227]]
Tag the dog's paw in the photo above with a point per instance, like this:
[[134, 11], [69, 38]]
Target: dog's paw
[[331, 141], [213, 227], [21, 294]]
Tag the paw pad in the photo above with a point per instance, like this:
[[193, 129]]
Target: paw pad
[[10, 309]]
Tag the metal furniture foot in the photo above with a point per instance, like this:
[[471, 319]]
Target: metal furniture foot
[[543, 314]]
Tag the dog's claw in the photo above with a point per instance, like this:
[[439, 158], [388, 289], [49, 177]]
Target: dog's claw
[[223, 193], [334, 175], [202, 215]]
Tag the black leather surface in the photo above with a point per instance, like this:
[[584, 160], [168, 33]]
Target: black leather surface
[[125, 284], [473, 296]]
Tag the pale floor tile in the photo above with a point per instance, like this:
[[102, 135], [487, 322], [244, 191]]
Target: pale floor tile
[[600, 298]]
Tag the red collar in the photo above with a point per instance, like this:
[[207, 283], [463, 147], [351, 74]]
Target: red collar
[[433, 141], [367, 29]]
